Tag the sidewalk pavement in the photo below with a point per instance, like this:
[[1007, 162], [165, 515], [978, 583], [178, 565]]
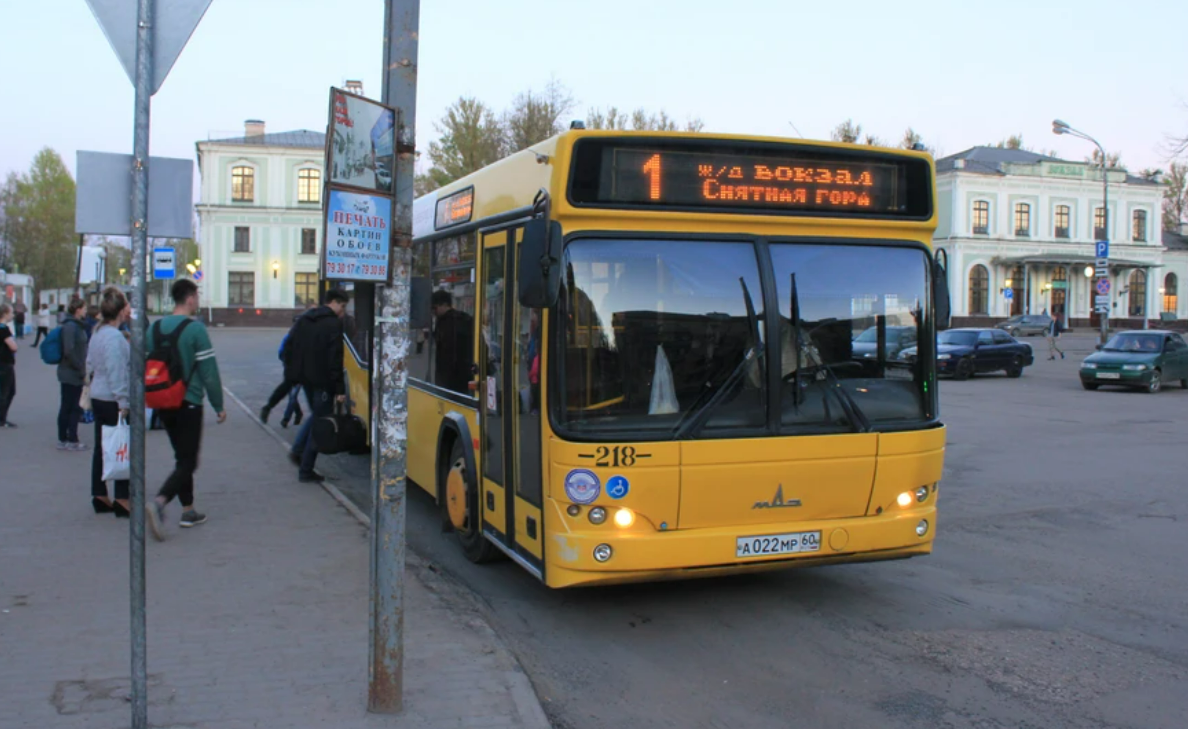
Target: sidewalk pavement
[[257, 618]]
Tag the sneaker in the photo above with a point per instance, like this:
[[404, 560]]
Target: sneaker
[[77, 447], [8, 424], [284, 423], [156, 519], [191, 518], [298, 418], [63, 445], [294, 458], [264, 413], [312, 477]]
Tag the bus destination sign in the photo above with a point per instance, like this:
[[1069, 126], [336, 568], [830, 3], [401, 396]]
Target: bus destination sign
[[758, 181]]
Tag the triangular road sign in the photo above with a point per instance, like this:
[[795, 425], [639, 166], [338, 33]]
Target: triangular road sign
[[173, 24]]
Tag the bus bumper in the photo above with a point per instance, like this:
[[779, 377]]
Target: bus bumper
[[689, 553]]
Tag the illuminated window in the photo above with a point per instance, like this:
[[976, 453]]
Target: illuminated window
[[981, 217], [309, 241], [309, 186], [1099, 224], [243, 184], [243, 239], [1018, 289], [1170, 300], [1062, 221], [1059, 292], [979, 287], [306, 289], [1138, 292], [1022, 219], [1139, 227], [241, 288]]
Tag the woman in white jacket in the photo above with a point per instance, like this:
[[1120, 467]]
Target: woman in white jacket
[[108, 366]]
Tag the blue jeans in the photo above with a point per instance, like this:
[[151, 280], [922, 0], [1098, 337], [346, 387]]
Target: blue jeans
[[321, 404], [294, 406]]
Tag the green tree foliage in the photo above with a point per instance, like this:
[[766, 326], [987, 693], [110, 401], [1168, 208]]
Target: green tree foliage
[[847, 132], [1015, 141], [534, 117], [640, 120], [1175, 196], [471, 138], [39, 222], [1113, 159]]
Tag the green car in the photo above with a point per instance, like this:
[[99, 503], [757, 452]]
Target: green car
[[1144, 359]]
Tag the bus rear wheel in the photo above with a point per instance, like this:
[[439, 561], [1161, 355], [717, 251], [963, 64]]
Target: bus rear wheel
[[460, 507]]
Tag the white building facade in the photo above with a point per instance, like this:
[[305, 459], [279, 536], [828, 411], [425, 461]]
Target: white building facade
[[260, 230], [1020, 230]]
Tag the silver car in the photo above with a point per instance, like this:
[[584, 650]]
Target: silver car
[[1027, 325]]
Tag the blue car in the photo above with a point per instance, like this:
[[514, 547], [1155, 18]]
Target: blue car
[[962, 353]]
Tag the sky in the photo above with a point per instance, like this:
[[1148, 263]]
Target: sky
[[960, 73]]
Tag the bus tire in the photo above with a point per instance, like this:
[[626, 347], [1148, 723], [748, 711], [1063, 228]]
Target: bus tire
[[460, 507]]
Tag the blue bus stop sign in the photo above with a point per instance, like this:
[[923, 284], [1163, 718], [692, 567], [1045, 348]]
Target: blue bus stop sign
[[1008, 294]]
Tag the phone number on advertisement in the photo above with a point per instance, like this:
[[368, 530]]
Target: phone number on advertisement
[[356, 269]]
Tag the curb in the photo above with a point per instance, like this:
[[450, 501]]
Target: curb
[[525, 698]]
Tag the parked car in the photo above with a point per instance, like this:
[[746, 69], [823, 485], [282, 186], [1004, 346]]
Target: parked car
[[1027, 325], [866, 344], [1143, 359], [963, 353]]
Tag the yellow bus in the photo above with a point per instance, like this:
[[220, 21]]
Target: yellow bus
[[644, 356]]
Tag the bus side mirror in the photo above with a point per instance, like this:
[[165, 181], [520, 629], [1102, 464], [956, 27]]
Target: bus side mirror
[[539, 271], [420, 313], [941, 305]]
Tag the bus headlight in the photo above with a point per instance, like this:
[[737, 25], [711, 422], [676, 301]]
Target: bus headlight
[[573, 510], [921, 528], [922, 494], [624, 518], [904, 499], [603, 552], [597, 515]]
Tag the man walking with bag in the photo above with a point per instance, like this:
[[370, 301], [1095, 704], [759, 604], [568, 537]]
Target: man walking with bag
[[179, 340], [313, 358], [1053, 333]]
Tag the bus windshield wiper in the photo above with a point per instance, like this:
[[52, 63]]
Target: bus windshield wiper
[[696, 417], [858, 420]]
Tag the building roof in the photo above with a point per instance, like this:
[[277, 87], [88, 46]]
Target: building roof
[[300, 138], [1175, 241], [990, 161]]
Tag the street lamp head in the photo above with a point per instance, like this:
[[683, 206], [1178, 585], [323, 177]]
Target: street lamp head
[[197, 261], [1088, 271]]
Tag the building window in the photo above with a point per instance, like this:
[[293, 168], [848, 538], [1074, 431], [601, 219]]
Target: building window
[[1059, 292], [309, 186], [1099, 224], [243, 239], [981, 217], [241, 288], [306, 287], [979, 286], [1170, 300], [1022, 219], [309, 241], [243, 184], [1062, 220], [1138, 292], [1140, 226]]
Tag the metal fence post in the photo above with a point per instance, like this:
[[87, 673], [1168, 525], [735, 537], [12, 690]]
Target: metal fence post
[[390, 376]]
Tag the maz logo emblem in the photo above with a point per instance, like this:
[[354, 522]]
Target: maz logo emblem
[[777, 501]]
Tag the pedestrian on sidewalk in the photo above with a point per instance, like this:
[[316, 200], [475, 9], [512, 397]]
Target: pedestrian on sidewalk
[[19, 310], [42, 320], [72, 372], [1053, 334], [314, 359], [61, 314], [8, 348], [92, 320], [184, 425], [287, 387], [108, 365]]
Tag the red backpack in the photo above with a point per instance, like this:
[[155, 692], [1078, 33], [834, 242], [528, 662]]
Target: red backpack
[[165, 383]]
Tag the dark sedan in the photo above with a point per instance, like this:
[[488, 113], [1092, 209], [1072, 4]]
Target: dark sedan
[[963, 353], [896, 339], [1143, 359]]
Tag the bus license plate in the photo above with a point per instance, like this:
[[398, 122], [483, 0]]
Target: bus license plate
[[777, 544], [1109, 376]]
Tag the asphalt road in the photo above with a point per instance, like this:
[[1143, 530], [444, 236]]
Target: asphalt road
[[1056, 596]]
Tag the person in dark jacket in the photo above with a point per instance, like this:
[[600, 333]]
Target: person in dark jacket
[[452, 340], [71, 374], [313, 358]]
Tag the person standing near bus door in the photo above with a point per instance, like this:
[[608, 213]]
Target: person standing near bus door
[[8, 348], [71, 374], [313, 357], [452, 340], [1053, 333]]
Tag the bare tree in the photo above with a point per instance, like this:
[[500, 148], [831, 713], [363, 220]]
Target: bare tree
[[534, 117], [1113, 159], [847, 131], [471, 138], [1175, 197], [640, 120], [1015, 141]]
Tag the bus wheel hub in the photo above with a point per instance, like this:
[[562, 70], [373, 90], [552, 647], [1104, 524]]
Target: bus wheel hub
[[456, 496]]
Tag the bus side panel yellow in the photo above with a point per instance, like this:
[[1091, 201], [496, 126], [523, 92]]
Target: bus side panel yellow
[[424, 421], [358, 389], [493, 493], [524, 512], [907, 461]]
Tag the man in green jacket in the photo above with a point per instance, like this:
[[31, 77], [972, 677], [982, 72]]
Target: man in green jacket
[[184, 425]]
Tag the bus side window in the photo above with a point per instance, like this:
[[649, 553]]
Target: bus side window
[[451, 338]]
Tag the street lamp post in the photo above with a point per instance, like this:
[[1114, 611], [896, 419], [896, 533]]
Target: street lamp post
[[1059, 127]]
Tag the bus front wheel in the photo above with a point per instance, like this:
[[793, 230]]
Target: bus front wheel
[[460, 506]]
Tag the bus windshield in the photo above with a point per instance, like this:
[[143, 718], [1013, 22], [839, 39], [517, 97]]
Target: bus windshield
[[656, 329]]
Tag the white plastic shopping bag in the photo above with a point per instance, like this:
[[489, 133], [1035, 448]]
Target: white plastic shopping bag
[[663, 401], [116, 464]]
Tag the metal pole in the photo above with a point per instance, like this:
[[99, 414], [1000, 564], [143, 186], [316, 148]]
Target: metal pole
[[389, 412], [140, 154], [82, 239]]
